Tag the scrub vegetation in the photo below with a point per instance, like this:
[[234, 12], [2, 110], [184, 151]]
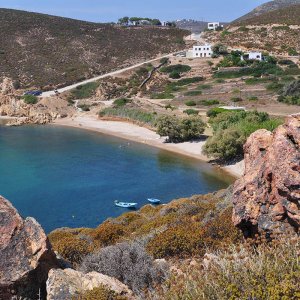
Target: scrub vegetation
[[231, 130]]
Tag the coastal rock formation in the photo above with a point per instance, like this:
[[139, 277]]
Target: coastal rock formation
[[65, 284], [26, 255], [267, 198], [43, 112]]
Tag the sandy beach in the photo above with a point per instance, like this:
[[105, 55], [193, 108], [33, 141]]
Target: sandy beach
[[143, 135]]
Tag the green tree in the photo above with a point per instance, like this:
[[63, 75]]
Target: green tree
[[179, 130], [219, 49], [124, 21], [30, 99]]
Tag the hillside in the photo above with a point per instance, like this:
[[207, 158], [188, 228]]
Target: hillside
[[267, 7], [287, 15], [275, 31], [41, 50], [193, 25]]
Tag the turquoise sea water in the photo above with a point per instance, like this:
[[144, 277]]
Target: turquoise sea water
[[67, 177]]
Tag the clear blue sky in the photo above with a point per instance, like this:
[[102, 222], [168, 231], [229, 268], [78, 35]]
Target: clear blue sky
[[111, 10]]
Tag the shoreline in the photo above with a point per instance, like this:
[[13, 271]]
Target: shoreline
[[135, 133]]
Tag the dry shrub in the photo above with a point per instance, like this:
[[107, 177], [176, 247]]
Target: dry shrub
[[72, 246], [108, 233], [220, 232], [266, 272], [182, 240], [129, 263], [99, 293]]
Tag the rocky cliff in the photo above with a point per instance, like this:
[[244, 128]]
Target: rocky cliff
[[267, 198], [43, 112], [26, 255]]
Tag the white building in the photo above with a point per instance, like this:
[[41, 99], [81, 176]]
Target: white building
[[202, 51], [213, 25], [252, 56]]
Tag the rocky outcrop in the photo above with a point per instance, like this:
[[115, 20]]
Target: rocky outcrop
[[26, 255], [267, 198], [65, 284]]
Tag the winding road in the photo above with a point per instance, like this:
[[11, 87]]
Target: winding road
[[70, 87]]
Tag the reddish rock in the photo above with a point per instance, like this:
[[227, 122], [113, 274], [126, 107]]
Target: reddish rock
[[26, 255], [267, 198]]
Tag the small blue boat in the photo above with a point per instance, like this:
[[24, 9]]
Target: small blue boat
[[154, 201], [125, 204]]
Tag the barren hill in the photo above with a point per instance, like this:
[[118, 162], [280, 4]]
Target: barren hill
[[41, 50], [289, 15], [276, 31], [268, 7]]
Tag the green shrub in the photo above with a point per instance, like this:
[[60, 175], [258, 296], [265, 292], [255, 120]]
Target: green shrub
[[286, 62], [187, 81], [191, 112], [193, 93], [215, 111], [274, 86], [129, 113], [209, 102], [163, 95], [229, 118], [143, 71], [293, 52], [121, 102], [257, 69], [253, 98], [84, 91], [231, 130], [30, 99], [236, 99], [225, 144], [290, 93], [164, 60], [204, 87], [190, 103], [219, 49], [179, 130], [176, 68], [175, 75]]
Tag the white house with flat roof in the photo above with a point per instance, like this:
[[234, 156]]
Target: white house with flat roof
[[253, 55], [213, 25], [201, 51]]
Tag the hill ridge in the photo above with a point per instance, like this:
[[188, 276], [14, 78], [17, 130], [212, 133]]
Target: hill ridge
[[42, 50]]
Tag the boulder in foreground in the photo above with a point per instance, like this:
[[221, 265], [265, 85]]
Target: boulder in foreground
[[67, 284], [26, 255], [267, 198]]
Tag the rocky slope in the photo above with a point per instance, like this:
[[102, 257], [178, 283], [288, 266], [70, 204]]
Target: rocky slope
[[41, 50], [45, 111], [276, 31], [267, 7], [286, 15], [26, 255], [266, 199]]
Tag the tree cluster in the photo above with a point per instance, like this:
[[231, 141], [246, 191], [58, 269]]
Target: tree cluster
[[179, 130]]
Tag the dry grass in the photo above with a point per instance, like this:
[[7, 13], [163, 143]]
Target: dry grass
[[266, 272]]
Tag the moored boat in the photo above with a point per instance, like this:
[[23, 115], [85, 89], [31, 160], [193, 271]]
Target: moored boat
[[154, 201], [125, 204]]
